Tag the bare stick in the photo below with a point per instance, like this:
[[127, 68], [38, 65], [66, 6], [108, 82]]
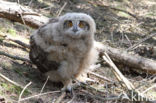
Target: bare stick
[[44, 84], [153, 86], [20, 43], [14, 57], [30, 3], [27, 13], [82, 84], [22, 18], [100, 76], [12, 11], [60, 11], [10, 81], [19, 12], [13, 40], [27, 98], [23, 91], [117, 73], [135, 45], [128, 40]]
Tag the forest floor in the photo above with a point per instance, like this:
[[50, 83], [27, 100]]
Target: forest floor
[[120, 24]]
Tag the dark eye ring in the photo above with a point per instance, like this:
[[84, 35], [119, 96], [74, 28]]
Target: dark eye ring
[[81, 24], [84, 24], [68, 23]]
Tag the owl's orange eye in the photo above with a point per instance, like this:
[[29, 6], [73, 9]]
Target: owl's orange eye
[[70, 24], [81, 24]]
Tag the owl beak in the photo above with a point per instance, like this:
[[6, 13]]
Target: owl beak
[[75, 29]]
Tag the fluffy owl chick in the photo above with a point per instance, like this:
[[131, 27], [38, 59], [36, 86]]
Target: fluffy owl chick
[[64, 47]]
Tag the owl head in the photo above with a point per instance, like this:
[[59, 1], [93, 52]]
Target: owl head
[[77, 25]]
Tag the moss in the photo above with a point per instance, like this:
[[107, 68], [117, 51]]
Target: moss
[[122, 14], [12, 32], [18, 90], [12, 89]]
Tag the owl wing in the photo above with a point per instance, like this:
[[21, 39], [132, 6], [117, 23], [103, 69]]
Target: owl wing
[[39, 57]]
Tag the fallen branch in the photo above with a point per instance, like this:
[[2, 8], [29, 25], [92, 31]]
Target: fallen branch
[[14, 57], [2, 35], [20, 43], [18, 13], [136, 63]]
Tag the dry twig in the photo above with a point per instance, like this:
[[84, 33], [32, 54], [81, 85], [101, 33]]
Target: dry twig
[[100, 76], [23, 91], [153, 86], [27, 98], [146, 38], [44, 84], [10, 81], [60, 11], [15, 41], [117, 73], [128, 40]]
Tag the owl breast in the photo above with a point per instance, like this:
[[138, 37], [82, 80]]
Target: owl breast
[[69, 49]]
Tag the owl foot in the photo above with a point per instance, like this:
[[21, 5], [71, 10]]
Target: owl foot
[[67, 86]]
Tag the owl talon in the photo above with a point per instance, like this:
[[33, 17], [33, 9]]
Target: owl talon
[[67, 89]]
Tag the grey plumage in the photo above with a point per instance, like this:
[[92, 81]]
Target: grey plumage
[[64, 47]]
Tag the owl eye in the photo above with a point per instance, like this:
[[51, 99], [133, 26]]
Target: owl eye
[[69, 24], [81, 24]]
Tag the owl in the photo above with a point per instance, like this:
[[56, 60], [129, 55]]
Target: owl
[[63, 49]]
